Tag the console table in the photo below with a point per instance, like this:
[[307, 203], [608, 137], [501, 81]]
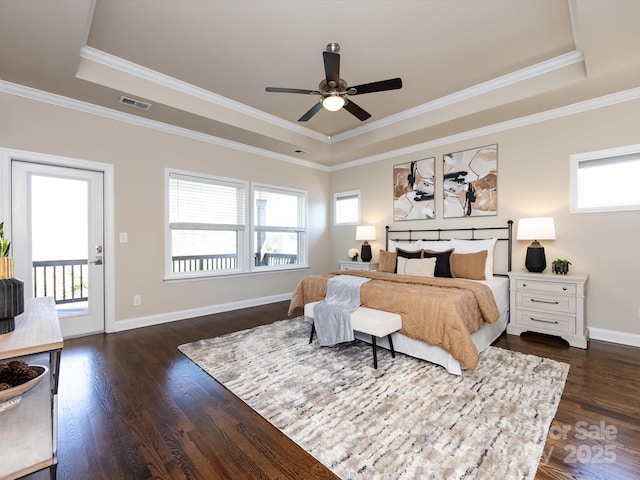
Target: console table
[[29, 430]]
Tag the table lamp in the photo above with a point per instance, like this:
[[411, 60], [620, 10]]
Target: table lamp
[[365, 232], [539, 228]]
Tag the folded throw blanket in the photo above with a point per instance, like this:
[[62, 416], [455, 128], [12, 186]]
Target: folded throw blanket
[[332, 315]]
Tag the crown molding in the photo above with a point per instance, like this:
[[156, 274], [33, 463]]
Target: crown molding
[[84, 107], [575, 24], [65, 102], [547, 66], [509, 79], [130, 68], [575, 108]]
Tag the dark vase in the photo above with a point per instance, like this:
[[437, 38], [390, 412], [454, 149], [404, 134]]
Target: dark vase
[[11, 303]]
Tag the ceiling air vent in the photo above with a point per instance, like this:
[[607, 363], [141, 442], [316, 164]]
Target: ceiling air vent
[[300, 151], [135, 103]]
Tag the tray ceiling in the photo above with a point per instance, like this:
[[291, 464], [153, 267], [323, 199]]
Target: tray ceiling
[[204, 66]]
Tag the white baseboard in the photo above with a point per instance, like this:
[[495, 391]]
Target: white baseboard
[[614, 336], [150, 320]]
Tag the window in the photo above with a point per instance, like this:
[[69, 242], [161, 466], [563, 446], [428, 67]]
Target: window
[[605, 181], [208, 226], [279, 227], [347, 208], [206, 223]]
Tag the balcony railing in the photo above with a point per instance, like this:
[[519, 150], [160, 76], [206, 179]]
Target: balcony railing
[[199, 263], [275, 259], [66, 280], [229, 261]]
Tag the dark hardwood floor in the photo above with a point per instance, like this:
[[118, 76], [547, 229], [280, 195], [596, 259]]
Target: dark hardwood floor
[[131, 406]]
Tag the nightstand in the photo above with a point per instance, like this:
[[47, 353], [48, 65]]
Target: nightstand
[[365, 266], [549, 303]]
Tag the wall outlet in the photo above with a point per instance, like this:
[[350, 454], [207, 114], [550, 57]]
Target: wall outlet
[[137, 299]]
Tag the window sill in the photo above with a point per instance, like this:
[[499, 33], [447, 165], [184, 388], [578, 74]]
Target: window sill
[[236, 274]]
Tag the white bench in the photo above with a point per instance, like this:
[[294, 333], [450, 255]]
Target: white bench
[[376, 323]]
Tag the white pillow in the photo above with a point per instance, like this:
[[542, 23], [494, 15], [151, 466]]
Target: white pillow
[[406, 246], [420, 267], [435, 245], [473, 246]]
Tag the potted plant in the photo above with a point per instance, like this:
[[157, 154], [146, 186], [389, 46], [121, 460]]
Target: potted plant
[[6, 262], [560, 266]]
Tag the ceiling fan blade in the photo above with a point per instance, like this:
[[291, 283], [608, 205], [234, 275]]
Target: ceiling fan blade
[[292, 90], [332, 68], [381, 86], [356, 111], [312, 111]]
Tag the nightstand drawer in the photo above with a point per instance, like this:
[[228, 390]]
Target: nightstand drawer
[[364, 266], [551, 287], [352, 267], [546, 301], [544, 321]]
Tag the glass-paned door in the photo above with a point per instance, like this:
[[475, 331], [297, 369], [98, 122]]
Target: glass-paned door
[[57, 219]]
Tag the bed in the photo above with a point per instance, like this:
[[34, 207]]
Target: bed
[[462, 338]]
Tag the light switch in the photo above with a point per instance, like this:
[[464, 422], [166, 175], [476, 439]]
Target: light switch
[[124, 237]]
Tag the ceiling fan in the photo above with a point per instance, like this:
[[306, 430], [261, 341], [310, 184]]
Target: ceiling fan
[[334, 90]]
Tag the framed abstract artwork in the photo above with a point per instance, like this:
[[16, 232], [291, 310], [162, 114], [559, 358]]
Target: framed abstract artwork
[[470, 182], [414, 190]]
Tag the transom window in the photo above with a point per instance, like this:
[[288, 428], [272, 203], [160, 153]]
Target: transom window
[[346, 207], [604, 181]]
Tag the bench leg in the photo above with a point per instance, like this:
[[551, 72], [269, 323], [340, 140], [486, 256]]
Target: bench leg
[[313, 331], [393, 352], [375, 351]]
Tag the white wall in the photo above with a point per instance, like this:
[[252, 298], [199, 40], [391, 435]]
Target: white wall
[[533, 180]]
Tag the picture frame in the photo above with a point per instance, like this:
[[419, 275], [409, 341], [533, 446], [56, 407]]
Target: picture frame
[[470, 182], [414, 190]]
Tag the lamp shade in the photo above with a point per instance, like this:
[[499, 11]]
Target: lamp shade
[[365, 232], [538, 228]]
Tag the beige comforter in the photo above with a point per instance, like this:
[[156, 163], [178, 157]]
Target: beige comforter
[[439, 311]]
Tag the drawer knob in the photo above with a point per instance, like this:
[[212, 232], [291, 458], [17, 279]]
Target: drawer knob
[[564, 288], [524, 284]]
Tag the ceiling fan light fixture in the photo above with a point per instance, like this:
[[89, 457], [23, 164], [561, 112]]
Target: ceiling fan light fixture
[[333, 103], [335, 92]]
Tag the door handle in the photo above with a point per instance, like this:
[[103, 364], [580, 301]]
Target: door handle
[[97, 261]]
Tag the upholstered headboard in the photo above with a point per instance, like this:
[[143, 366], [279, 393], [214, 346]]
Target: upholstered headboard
[[503, 236]]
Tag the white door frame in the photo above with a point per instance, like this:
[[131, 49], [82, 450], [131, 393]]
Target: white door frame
[[7, 155]]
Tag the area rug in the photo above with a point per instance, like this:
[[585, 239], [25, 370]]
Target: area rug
[[408, 419]]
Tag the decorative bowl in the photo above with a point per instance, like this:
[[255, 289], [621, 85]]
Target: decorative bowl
[[13, 392]]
